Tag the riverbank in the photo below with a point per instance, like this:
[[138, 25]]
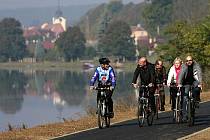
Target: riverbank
[[123, 111]]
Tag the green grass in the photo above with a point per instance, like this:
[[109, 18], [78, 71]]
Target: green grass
[[42, 65], [77, 65]]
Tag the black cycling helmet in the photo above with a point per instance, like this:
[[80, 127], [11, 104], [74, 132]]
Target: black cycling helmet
[[104, 60]]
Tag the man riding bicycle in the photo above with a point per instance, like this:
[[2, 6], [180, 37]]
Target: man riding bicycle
[[190, 76], [106, 78], [160, 80], [146, 71]]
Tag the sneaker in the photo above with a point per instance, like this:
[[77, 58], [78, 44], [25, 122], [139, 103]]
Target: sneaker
[[111, 114]]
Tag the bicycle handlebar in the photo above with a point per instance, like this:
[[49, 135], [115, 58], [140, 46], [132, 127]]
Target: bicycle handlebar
[[143, 86], [101, 88]]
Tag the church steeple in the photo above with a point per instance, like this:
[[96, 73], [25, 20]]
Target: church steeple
[[59, 19], [58, 13]]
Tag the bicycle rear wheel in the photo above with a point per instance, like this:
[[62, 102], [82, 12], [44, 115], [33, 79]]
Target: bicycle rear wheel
[[141, 114], [101, 117]]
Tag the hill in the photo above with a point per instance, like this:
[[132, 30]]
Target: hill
[[91, 22]]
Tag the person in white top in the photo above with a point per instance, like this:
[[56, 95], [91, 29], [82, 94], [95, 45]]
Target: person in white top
[[172, 80]]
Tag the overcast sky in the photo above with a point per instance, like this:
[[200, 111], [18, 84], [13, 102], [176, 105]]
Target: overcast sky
[[13, 4]]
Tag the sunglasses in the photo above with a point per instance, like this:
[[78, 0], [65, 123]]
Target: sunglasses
[[189, 60]]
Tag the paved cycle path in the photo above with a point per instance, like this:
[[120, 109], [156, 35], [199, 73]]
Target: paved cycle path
[[162, 129]]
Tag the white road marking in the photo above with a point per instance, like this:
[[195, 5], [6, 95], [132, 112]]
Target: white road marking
[[193, 134]]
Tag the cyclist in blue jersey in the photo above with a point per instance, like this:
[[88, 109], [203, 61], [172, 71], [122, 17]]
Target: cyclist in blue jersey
[[105, 76]]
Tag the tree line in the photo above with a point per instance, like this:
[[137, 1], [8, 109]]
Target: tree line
[[71, 45], [186, 29]]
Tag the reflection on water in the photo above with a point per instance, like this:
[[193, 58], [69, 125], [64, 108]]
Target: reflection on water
[[37, 97], [11, 91]]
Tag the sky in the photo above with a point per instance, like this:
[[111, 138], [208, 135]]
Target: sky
[[13, 4]]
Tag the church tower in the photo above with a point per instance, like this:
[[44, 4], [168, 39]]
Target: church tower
[[59, 19]]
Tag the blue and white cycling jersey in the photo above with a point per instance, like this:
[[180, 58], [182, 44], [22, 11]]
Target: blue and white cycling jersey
[[103, 76]]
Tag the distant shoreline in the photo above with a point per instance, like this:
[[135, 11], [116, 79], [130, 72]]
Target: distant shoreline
[[72, 66]]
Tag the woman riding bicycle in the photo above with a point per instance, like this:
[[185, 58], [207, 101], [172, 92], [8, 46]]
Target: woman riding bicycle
[[172, 80], [106, 78]]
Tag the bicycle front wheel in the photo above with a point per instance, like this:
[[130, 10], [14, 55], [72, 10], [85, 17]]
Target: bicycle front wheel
[[150, 116], [157, 104], [191, 112], [177, 113], [101, 117], [140, 114], [107, 118]]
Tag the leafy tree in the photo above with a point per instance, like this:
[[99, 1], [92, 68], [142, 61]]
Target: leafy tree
[[158, 13], [11, 40], [39, 52], [117, 41], [71, 44], [188, 39], [52, 54], [110, 10], [143, 50], [97, 19], [191, 11], [90, 52], [114, 6]]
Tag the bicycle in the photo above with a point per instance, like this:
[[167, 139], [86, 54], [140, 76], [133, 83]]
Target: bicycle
[[157, 99], [102, 108], [144, 108]]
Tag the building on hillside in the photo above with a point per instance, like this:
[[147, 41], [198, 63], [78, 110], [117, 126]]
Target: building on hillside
[[140, 35], [47, 33]]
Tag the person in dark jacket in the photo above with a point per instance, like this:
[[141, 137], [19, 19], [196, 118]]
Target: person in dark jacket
[[160, 81], [146, 72]]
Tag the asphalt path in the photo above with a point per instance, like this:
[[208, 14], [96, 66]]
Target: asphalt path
[[162, 129]]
